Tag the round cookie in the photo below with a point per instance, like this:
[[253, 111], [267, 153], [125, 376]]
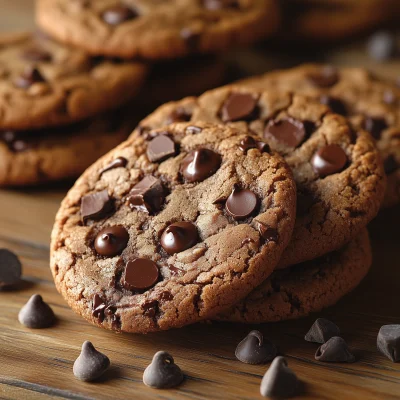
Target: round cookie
[[43, 83], [371, 103], [157, 30], [192, 223], [48, 155], [306, 288], [338, 170]]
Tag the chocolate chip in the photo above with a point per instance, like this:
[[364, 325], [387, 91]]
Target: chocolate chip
[[321, 331], [336, 105], [118, 14], [10, 268], [192, 130], [329, 160], [334, 350], [390, 164], [119, 162], [36, 314], [279, 381], [375, 126], [221, 4], [200, 164], [241, 203], [111, 241], [326, 77], [179, 115], [238, 106], [254, 349], [96, 205], [268, 233], [29, 76], [178, 237], [382, 46], [148, 195], [91, 364], [288, 131], [162, 373], [36, 54], [250, 143], [140, 274], [388, 342], [98, 307], [161, 148]]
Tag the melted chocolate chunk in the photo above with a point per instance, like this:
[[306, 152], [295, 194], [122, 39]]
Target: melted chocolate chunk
[[336, 105], [161, 148], [179, 115], [119, 162], [289, 131], [250, 143], [329, 160], [325, 78], [200, 164], [96, 205], [238, 106], [178, 237], [375, 126], [267, 233], [148, 195], [241, 203], [98, 308], [140, 274], [111, 241]]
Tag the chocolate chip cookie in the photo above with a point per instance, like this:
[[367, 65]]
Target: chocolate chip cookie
[[43, 83], [155, 30], [337, 167], [172, 227], [306, 288], [371, 103]]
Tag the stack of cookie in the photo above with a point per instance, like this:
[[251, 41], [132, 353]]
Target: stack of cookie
[[252, 210]]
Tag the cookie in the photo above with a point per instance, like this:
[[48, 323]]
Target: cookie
[[157, 30], [192, 222], [371, 103], [306, 288], [338, 169], [43, 83], [48, 155]]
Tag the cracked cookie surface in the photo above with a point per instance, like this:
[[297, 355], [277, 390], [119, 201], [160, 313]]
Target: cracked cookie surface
[[306, 288], [43, 83], [337, 167], [172, 227], [152, 29]]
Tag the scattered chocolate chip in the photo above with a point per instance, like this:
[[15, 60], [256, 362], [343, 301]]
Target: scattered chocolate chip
[[254, 349], [329, 160], [321, 331], [118, 14], [90, 364], [36, 314], [29, 76], [148, 195], [36, 54], [140, 274], [390, 164], [178, 237], [10, 268], [268, 233], [241, 203], [192, 130], [279, 381], [220, 4], [161, 148], [111, 241], [336, 105], [288, 131], [200, 164], [96, 205], [382, 46], [388, 342], [375, 126], [162, 373], [334, 350], [326, 77], [238, 106], [98, 307], [179, 115], [119, 162]]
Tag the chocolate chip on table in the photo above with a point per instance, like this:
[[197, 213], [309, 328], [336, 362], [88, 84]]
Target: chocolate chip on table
[[29, 76], [279, 381], [119, 162], [321, 331], [329, 160], [334, 350], [178, 237], [162, 373], [161, 148], [238, 106], [336, 105], [148, 195], [382, 46], [10, 268], [288, 131], [111, 241], [375, 126], [140, 274], [241, 203], [254, 349], [91, 364], [250, 143], [118, 14], [200, 164], [96, 205], [36, 54], [325, 78], [36, 314], [388, 341]]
